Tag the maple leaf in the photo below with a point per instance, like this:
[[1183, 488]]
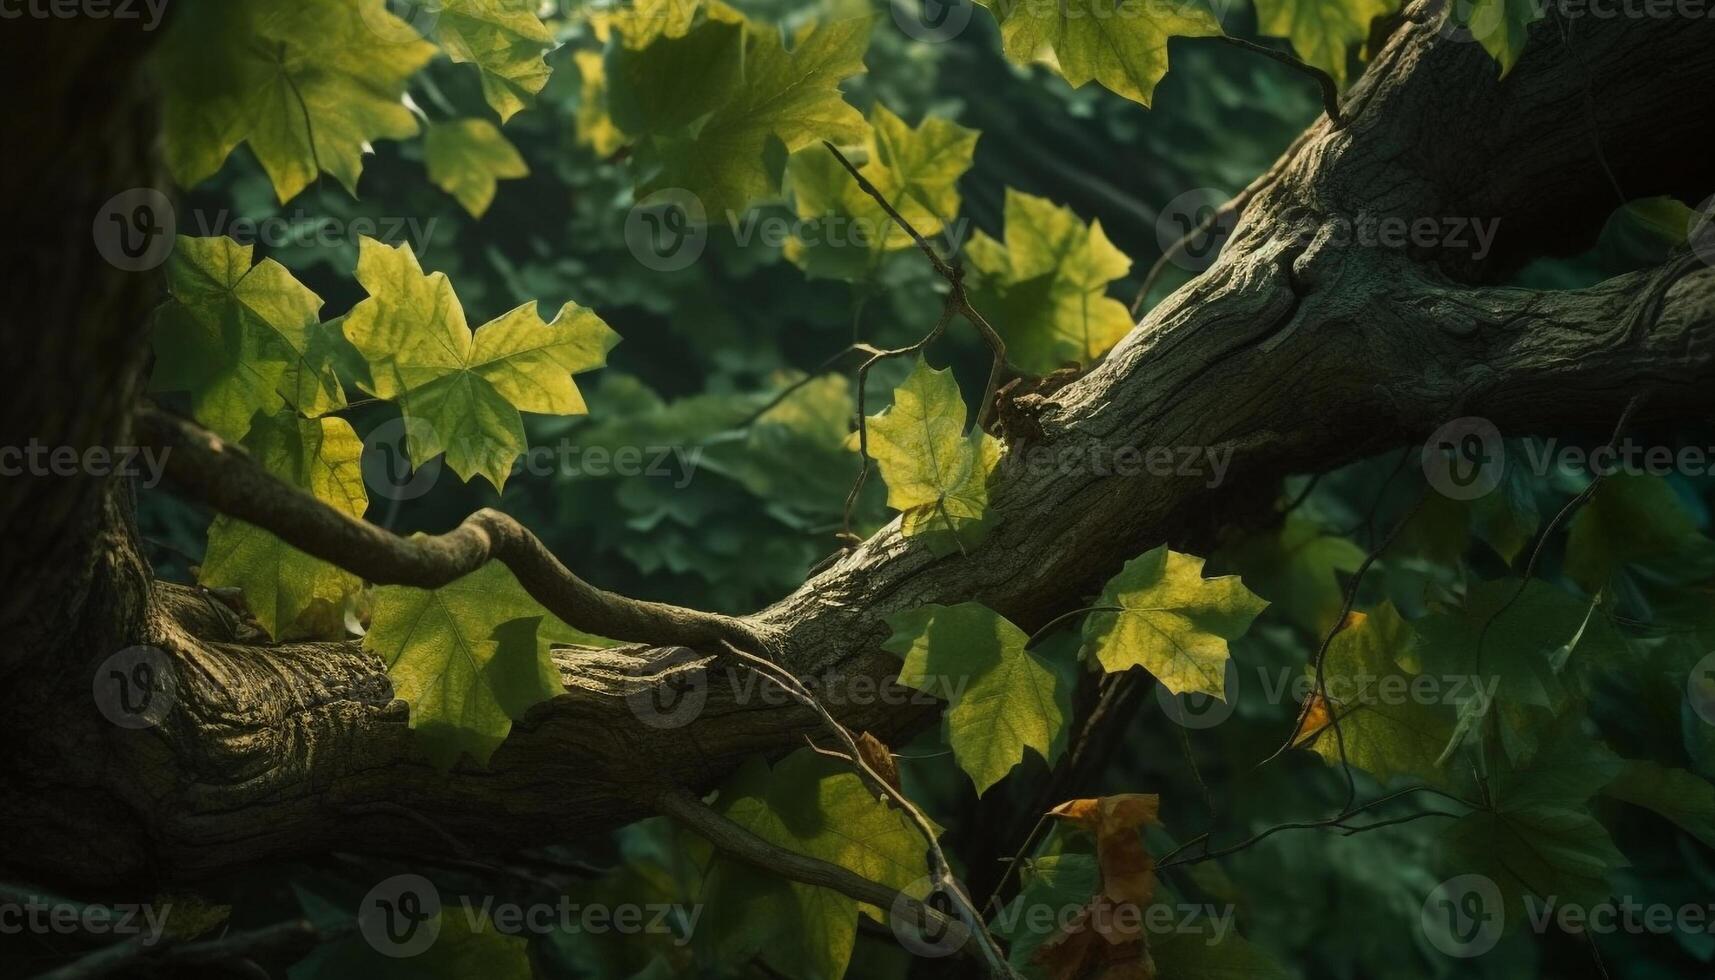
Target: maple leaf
[[280, 583], [1045, 289], [469, 657], [915, 170], [818, 807], [1322, 31], [1122, 45], [937, 476], [789, 95], [241, 339], [1501, 26], [505, 40], [595, 126], [1174, 622], [1004, 698], [1384, 735], [467, 387], [467, 157], [306, 84]]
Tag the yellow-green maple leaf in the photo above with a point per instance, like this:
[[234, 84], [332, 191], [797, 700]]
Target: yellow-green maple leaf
[[1501, 26], [789, 95], [280, 583], [466, 389], [240, 339], [595, 125], [1173, 622], [1384, 734], [467, 158], [1323, 32], [307, 83], [937, 476], [916, 170], [470, 657], [1003, 698], [1045, 289], [1120, 43], [814, 806], [505, 40]]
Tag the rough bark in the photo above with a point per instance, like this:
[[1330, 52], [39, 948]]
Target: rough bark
[[1298, 351]]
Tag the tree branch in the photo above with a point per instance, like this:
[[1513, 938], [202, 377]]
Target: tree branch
[[206, 468]]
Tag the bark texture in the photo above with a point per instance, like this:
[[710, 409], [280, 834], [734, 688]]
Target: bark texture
[[1299, 349]]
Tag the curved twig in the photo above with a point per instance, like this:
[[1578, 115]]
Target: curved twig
[[223, 475]]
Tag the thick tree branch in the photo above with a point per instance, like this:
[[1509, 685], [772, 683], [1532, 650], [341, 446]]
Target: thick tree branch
[[221, 475]]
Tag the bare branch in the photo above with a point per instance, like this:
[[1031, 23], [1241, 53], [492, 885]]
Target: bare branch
[[222, 475]]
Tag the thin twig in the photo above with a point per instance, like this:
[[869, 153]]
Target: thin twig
[[1330, 88], [944, 878]]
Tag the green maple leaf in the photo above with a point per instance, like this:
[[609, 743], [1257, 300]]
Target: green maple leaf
[[1387, 731], [467, 158], [1122, 45], [815, 806], [791, 96], [1502, 27], [640, 23], [1545, 850], [467, 388], [1322, 31], [915, 170], [595, 126], [1175, 622], [241, 339], [1295, 568], [470, 657], [1685, 798], [282, 584], [937, 476], [1629, 518], [309, 85], [1003, 696], [674, 82], [505, 40], [1045, 289]]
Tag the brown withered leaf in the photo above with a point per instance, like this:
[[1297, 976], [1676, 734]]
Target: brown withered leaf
[[1101, 943], [1313, 719], [877, 757], [1128, 872]]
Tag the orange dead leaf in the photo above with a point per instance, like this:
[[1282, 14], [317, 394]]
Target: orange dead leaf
[[877, 757], [1128, 872], [1102, 942], [1312, 720]]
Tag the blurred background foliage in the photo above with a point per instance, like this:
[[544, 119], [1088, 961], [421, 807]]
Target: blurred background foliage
[[706, 347]]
